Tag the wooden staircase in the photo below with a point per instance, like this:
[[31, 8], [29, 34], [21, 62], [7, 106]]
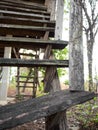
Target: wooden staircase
[[30, 27]]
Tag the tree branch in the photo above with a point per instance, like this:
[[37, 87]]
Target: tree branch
[[96, 32], [86, 14]]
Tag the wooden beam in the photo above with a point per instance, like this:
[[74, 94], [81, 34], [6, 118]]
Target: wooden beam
[[33, 63], [31, 43], [32, 109]]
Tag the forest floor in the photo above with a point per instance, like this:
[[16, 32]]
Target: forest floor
[[79, 117]]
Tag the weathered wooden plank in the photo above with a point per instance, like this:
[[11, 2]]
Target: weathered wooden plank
[[31, 43], [32, 109], [33, 63], [24, 15], [19, 30], [19, 3]]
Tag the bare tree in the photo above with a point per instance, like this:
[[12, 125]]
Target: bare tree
[[90, 27]]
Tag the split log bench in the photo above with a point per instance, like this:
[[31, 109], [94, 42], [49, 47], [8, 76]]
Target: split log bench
[[32, 109]]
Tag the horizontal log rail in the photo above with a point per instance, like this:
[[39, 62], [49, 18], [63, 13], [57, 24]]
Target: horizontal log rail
[[32, 109], [33, 63], [21, 42]]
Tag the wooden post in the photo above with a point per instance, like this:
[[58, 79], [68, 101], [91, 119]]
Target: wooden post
[[59, 19], [57, 121], [5, 78]]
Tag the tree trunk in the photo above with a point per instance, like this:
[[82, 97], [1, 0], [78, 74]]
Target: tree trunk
[[90, 61], [76, 71]]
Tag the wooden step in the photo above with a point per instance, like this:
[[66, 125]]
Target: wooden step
[[25, 21], [25, 86], [30, 82], [19, 3], [33, 109], [20, 76], [24, 15], [20, 30], [22, 9], [31, 43], [33, 63]]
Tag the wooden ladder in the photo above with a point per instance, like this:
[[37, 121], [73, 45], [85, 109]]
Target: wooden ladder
[[30, 80], [31, 28]]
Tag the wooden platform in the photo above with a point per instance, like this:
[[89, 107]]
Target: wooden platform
[[32, 109]]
